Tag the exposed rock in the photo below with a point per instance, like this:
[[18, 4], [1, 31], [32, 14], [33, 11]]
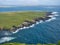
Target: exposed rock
[[41, 18], [18, 27], [33, 22], [26, 24], [46, 18], [37, 19], [27, 21], [13, 28], [21, 26], [49, 13]]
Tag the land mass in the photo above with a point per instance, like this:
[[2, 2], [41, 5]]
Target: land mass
[[16, 20], [7, 19]]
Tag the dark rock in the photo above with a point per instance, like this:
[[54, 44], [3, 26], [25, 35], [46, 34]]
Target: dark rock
[[37, 19], [13, 28], [30, 22], [42, 18], [46, 18], [0, 28], [49, 13]]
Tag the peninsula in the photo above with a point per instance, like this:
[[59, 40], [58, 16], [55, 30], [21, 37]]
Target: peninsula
[[16, 20]]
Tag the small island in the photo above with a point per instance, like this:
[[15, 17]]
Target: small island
[[14, 20]]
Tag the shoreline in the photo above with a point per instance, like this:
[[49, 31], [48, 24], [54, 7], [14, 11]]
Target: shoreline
[[27, 23], [16, 18], [37, 22]]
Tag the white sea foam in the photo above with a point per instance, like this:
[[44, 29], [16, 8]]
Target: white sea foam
[[32, 25], [6, 39], [24, 28], [54, 13], [52, 18], [41, 21], [37, 22]]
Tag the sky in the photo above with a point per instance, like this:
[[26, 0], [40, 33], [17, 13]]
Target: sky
[[29, 2]]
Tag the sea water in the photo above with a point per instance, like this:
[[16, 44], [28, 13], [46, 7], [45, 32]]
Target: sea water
[[41, 32]]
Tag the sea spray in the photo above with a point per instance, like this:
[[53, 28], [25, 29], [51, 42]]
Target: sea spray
[[54, 13], [6, 39], [53, 18]]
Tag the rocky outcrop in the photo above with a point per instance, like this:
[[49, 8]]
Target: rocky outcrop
[[13, 28], [49, 13]]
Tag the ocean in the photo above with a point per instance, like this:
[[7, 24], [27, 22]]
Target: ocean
[[44, 32]]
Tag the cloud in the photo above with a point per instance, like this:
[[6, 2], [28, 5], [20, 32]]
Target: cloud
[[29, 2]]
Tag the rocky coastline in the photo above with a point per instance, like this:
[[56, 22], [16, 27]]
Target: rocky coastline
[[28, 23]]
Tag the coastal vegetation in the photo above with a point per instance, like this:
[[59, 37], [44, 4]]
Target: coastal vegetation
[[8, 19]]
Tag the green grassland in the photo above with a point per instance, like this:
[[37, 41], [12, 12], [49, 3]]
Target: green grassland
[[7, 19], [24, 44]]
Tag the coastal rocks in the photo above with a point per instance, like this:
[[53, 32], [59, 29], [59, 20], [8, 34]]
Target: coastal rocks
[[33, 22], [46, 18], [36, 19], [28, 23], [20, 26], [13, 28], [49, 13]]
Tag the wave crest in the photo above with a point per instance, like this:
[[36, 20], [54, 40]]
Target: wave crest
[[6, 39]]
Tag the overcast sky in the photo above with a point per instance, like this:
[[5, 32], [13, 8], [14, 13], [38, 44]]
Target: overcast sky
[[29, 2]]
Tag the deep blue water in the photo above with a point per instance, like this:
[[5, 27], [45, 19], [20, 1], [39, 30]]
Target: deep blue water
[[46, 32], [31, 8]]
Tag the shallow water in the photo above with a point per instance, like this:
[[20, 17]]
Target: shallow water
[[45, 32]]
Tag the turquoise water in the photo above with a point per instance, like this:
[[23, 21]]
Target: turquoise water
[[45, 32]]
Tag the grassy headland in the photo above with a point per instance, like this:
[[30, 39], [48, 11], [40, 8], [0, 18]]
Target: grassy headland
[[7, 19]]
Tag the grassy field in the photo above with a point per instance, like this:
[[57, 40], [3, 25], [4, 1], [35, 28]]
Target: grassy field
[[7, 19], [24, 44]]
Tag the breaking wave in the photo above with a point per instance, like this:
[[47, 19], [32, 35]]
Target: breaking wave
[[6, 39]]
